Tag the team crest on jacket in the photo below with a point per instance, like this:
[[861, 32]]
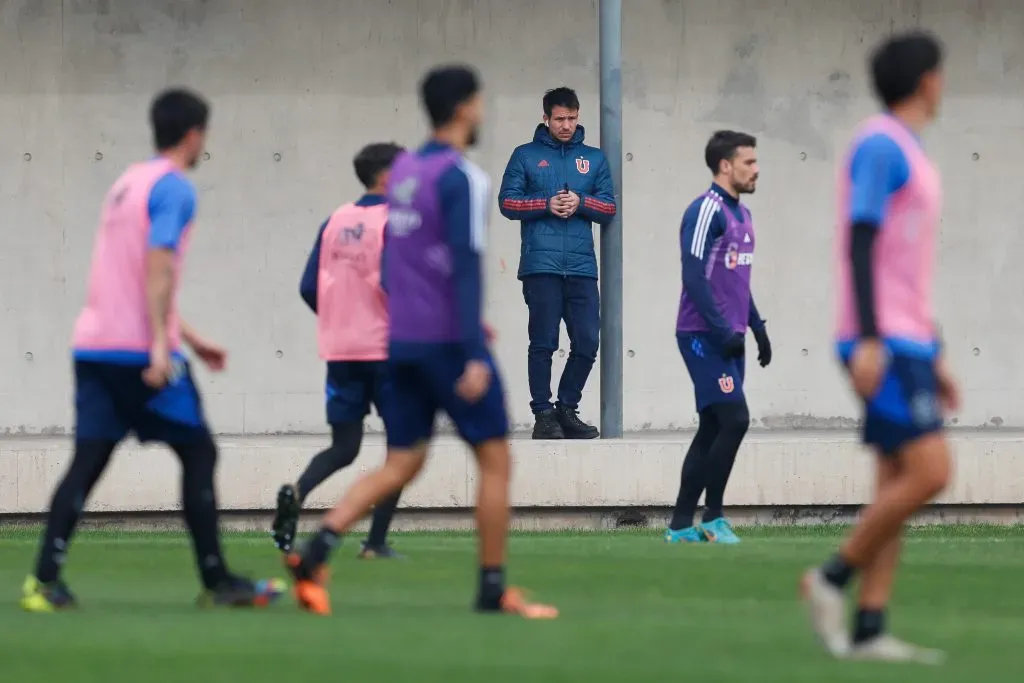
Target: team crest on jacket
[[726, 384], [583, 165]]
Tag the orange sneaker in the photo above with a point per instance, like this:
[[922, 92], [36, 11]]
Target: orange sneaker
[[310, 590], [514, 602]]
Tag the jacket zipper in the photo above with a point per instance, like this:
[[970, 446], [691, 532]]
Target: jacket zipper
[[565, 254]]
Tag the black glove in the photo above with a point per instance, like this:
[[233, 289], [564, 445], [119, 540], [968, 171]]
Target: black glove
[[734, 346], [764, 347]]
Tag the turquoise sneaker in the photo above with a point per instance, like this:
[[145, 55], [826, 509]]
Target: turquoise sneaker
[[720, 531], [690, 534]]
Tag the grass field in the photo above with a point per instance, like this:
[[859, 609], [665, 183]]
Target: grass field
[[633, 610]]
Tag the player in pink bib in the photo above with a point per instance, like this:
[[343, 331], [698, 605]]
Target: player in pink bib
[[342, 285], [131, 375], [889, 206]]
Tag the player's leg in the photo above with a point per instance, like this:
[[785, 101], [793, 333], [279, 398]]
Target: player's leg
[[484, 426], [693, 480], [543, 295], [99, 427], [902, 420], [309, 569], [872, 550], [409, 426], [43, 590], [382, 396], [733, 418], [878, 576], [582, 315], [348, 403], [376, 545], [346, 440], [174, 415]]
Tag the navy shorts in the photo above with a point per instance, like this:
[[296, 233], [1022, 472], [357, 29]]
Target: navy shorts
[[425, 386], [715, 379], [906, 406], [111, 400], [352, 387]]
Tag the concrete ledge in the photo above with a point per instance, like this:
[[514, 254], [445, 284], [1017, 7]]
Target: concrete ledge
[[789, 470]]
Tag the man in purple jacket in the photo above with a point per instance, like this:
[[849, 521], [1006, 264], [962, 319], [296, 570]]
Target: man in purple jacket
[[715, 309]]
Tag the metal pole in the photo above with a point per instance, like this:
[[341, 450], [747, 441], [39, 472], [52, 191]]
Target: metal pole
[[610, 41]]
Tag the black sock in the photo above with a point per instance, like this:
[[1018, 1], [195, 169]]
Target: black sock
[[199, 505], [492, 587], [383, 513], [87, 464], [693, 478], [868, 624], [319, 548], [346, 439], [733, 422], [837, 571]]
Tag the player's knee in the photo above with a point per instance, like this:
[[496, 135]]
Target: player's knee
[[932, 466], [400, 469], [733, 418]]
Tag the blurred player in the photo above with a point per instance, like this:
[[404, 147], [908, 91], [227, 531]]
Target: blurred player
[[342, 285], [131, 374], [889, 204], [715, 309], [438, 357]]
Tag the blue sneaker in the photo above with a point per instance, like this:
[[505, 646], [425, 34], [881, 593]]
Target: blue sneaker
[[690, 534], [720, 531]]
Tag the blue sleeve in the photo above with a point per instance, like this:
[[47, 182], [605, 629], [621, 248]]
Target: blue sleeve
[[600, 207], [172, 204], [878, 168], [310, 276], [702, 225], [513, 201], [464, 236], [754, 320]]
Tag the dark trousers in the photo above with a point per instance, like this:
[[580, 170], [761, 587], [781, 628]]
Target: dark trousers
[[552, 299]]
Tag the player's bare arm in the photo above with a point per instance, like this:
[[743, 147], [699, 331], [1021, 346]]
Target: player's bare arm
[[159, 290]]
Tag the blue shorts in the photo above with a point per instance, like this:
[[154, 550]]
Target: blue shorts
[[352, 387], [715, 379], [906, 407], [111, 400], [424, 386]]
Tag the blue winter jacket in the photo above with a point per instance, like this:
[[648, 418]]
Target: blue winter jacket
[[536, 172]]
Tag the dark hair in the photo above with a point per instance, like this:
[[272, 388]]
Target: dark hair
[[899, 64], [373, 160], [446, 87], [560, 97], [723, 145], [174, 113]]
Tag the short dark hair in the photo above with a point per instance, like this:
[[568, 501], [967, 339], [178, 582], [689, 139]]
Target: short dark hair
[[560, 97], [723, 145], [899, 64], [444, 88], [174, 113], [373, 160]]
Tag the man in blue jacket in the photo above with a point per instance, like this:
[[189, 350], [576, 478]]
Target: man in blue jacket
[[557, 187]]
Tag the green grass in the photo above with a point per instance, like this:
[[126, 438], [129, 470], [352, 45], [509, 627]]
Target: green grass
[[633, 611]]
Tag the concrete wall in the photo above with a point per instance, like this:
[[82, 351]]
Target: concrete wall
[[298, 86], [550, 478]]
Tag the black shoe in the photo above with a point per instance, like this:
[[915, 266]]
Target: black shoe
[[547, 426], [379, 552], [286, 520], [572, 426]]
